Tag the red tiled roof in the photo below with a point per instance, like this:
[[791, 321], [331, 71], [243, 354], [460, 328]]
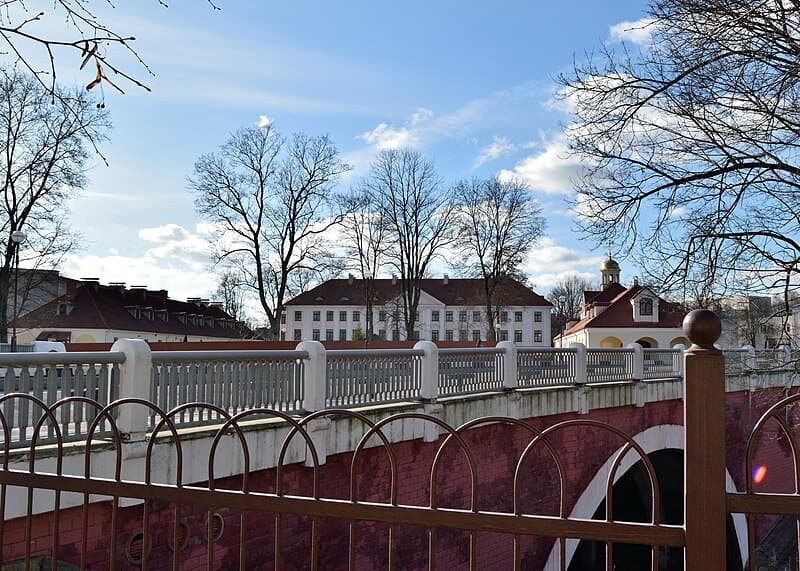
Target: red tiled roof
[[456, 292], [619, 312], [94, 306], [604, 295]]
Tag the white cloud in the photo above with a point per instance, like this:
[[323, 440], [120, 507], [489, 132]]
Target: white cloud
[[421, 115], [263, 121], [178, 259], [385, 137], [548, 262], [638, 32], [497, 148], [550, 171]]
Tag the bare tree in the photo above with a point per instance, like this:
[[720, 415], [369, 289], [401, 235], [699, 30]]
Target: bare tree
[[690, 143], [272, 201], [44, 149], [567, 299], [365, 230], [418, 213], [230, 293], [497, 224], [27, 28]]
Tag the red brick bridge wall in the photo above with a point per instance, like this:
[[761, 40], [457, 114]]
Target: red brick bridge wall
[[496, 450]]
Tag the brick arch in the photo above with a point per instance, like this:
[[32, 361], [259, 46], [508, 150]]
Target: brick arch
[[653, 439]]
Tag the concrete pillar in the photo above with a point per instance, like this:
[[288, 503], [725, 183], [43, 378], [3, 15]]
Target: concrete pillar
[[134, 382], [429, 384], [510, 376], [580, 400], [637, 374], [314, 375]]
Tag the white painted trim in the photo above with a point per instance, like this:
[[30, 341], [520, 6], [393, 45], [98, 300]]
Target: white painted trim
[[653, 439]]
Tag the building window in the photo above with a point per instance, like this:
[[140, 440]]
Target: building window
[[356, 316], [298, 334], [537, 316], [503, 317], [434, 316], [476, 316], [382, 315], [342, 316], [382, 334], [462, 335], [504, 335], [448, 316], [416, 316], [395, 335], [283, 335], [476, 335], [537, 336], [315, 334], [518, 336], [462, 316], [329, 316], [298, 316], [448, 335], [329, 335], [416, 335], [315, 316], [646, 306], [343, 335], [62, 308], [435, 335], [283, 318], [518, 316]]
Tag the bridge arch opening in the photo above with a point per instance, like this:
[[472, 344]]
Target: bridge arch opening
[[653, 439], [632, 501], [611, 342]]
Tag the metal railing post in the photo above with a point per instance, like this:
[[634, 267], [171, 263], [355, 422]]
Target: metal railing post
[[704, 425], [429, 383], [314, 375], [510, 373], [134, 382]]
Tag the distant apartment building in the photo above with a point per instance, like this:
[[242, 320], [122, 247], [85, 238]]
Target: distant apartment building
[[94, 313], [449, 310]]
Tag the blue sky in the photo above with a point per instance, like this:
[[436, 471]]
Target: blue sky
[[469, 84]]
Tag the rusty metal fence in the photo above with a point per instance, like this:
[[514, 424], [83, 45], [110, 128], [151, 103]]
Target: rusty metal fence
[[158, 517]]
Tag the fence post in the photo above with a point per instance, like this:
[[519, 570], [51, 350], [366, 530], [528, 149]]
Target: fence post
[[429, 383], [510, 372], [704, 425], [134, 382], [682, 349], [314, 375], [581, 404], [637, 375]]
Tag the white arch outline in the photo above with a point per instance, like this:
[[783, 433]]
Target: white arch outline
[[655, 438]]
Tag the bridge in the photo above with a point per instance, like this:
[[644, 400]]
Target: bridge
[[482, 458]]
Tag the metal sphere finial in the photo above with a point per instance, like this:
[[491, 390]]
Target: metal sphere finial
[[702, 327]]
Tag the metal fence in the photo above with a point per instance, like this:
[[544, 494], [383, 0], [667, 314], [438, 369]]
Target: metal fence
[[49, 378], [355, 377], [662, 363], [463, 371], [231, 380], [609, 365], [545, 367]]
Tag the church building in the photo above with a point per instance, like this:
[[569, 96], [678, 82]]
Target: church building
[[617, 316]]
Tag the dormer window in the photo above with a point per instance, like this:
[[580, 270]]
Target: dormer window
[[134, 311], [63, 309], [646, 306]]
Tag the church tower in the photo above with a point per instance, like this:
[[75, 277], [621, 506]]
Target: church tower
[[609, 272]]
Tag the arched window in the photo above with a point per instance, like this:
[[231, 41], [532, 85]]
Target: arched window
[[646, 306]]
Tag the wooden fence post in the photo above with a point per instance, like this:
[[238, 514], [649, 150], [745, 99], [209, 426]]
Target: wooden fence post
[[705, 508]]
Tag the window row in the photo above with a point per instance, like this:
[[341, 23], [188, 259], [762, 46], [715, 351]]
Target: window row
[[394, 335], [477, 316]]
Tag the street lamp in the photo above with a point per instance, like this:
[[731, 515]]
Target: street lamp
[[17, 237], [562, 299]]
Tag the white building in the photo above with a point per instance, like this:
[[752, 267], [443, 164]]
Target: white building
[[617, 316], [449, 310]]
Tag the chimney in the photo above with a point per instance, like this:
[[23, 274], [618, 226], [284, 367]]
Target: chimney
[[446, 279], [394, 279], [635, 280], [349, 279]]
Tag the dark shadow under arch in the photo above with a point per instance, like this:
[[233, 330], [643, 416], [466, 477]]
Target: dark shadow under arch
[[631, 502]]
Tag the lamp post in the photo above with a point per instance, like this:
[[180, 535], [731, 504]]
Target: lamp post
[[17, 237], [562, 319]]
